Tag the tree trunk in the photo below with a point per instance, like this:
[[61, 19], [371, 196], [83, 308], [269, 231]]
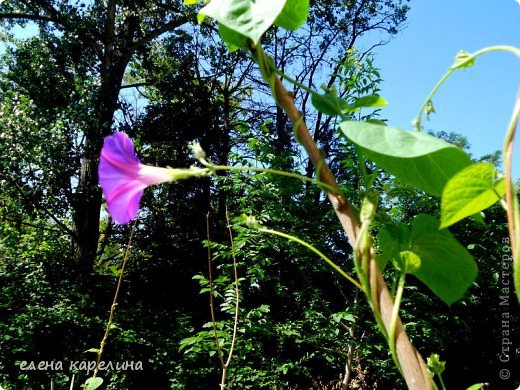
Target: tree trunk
[[88, 195], [86, 214]]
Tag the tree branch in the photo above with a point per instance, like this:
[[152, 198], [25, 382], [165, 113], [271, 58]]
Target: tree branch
[[158, 32], [22, 16], [135, 85], [32, 225], [39, 207]]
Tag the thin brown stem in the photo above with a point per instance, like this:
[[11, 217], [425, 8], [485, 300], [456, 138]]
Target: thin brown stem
[[114, 302], [235, 324], [211, 300], [224, 365]]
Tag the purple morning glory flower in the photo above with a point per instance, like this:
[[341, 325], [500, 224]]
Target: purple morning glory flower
[[123, 177]]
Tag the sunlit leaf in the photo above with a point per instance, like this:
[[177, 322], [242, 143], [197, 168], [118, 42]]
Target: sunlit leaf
[[470, 191], [293, 15], [93, 383], [371, 101], [447, 268], [250, 18], [416, 158], [329, 104]]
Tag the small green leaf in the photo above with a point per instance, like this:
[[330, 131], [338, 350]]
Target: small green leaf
[[416, 158], [435, 365], [93, 350], [470, 191], [478, 217], [429, 109], [329, 104], [343, 316], [410, 262], [463, 60], [293, 15], [93, 383], [372, 101], [476, 386], [250, 18]]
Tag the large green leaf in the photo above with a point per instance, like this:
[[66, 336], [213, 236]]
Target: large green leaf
[[250, 18], [471, 190], [444, 265], [293, 15], [447, 268], [416, 158]]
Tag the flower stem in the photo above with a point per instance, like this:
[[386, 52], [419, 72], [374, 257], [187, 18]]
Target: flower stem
[[315, 250], [273, 171], [395, 316], [114, 303]]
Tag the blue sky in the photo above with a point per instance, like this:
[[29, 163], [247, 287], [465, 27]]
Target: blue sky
[[476, 102]]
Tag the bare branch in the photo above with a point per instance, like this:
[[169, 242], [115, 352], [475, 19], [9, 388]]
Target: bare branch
[[158, 32], [41, 208], [32, 225], [135, 85], [22, 16]]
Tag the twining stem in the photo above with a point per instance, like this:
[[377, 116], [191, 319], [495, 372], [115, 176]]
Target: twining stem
[[114, 302], [395, 315], [295, 82], [513, 214], [272, 171], [315, 250], [418, 120], [443, 386], [468, 60], [414, 368]]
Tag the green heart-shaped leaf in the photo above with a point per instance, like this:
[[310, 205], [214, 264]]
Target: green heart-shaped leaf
[[471, 190], [250, 18], [447, 268], [443, 264], [416, 158]]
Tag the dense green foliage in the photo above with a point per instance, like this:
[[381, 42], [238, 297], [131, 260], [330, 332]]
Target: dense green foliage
[[146, 68]]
